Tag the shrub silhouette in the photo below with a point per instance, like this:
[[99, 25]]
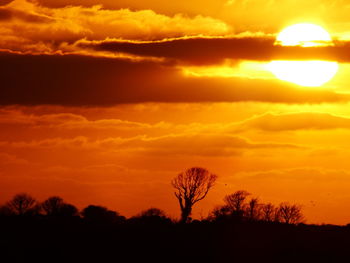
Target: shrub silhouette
[[151, 216], [68, 210], [100, 214], [152, 212]]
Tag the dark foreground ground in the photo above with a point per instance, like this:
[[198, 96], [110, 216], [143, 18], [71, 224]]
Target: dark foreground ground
[[76, 240]]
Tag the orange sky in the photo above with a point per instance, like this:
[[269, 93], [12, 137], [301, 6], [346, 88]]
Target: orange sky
[[104, 102]]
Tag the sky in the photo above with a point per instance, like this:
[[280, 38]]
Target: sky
[[104, 102]]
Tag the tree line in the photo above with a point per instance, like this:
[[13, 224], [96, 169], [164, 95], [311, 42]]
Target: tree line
[[191, 186], [194, 184]]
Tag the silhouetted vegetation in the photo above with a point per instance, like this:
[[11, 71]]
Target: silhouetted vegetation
[[100, 214], [237, 207], [191, 187], [22, 204], [55, 207], [243, 228]]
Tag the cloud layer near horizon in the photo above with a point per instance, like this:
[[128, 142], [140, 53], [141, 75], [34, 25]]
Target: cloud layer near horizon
[[126, 151]]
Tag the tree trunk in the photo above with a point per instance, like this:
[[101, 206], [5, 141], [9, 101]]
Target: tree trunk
[[185, 213]]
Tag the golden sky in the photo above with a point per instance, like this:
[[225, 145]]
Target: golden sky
[[104, 102]]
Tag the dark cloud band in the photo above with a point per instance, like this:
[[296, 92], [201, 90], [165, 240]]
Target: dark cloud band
[[214, 50], [84, 80]]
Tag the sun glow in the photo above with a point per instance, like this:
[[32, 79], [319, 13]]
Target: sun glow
[[305, 73], [305, 35], [312, 73]]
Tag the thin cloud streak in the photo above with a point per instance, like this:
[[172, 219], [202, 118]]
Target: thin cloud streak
[[208, 51]]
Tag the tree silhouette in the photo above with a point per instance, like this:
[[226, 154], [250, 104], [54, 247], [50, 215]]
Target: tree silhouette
[[52, 205], [100, 214], [290, 214], [23, 204], [152, 212], [236, 202], [55, 206], [220, 212], [268, 212], [5, 210], [153, 216], [253, 210], [191, 187], [68, 210]]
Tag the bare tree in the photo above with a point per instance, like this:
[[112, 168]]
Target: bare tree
[[277, 215], [290, 214], [236, 202], [22, 204], [191, 187], [253, 210], [55, 206], [52, 205], [268, 212]]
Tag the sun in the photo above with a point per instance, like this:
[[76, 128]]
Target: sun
[[305, 35], [311, 73]]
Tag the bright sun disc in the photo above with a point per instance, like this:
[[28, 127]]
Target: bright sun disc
[[305, 73], [305, 35], [312, 73]]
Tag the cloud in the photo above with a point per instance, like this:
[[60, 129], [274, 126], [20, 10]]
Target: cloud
[[199, 144], [169, 145], [191, 50], [215, 50], [13, 116], [13, 123], [249, 13], [5, 2], [28, 26], [9, 159], [84, 128], [310, 174], [8, 14], [296, 121], [211, 7], [66, 121], [83, 80]]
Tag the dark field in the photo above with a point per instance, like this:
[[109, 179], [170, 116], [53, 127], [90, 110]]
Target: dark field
[[156, 239]]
